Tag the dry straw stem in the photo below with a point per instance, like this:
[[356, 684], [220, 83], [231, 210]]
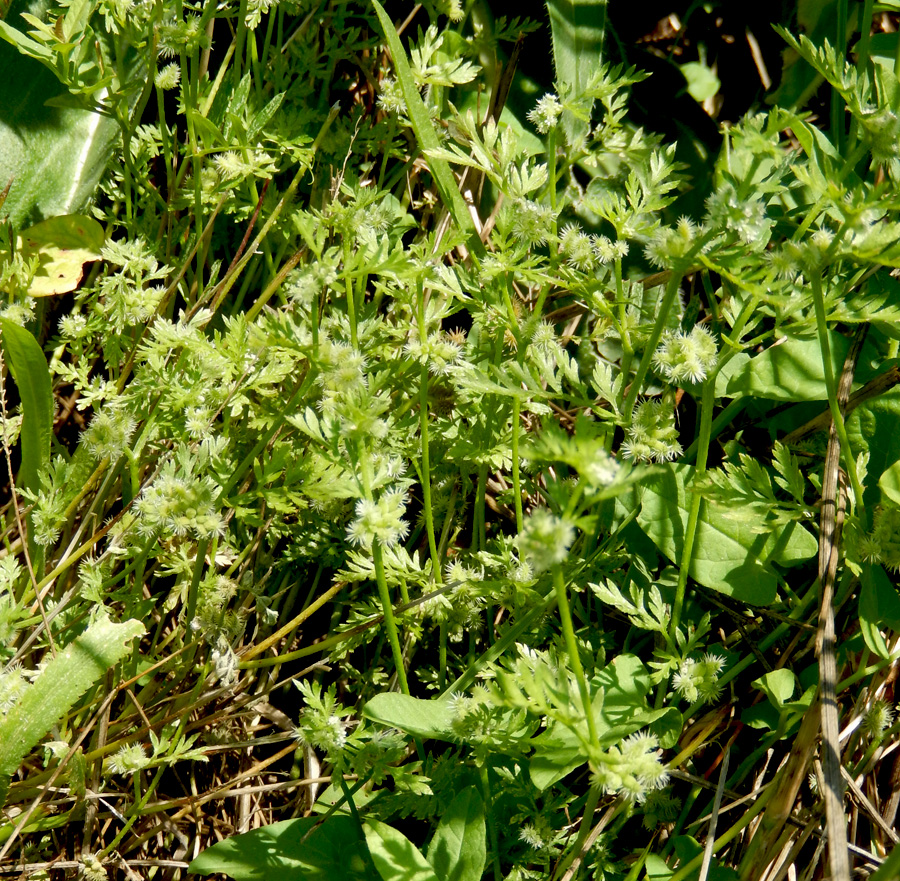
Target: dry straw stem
[[832, 516]]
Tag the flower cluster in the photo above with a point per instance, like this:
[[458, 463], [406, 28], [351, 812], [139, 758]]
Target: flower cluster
[[879, 717], [545, 114], [699, 680], [180, 504], [168, 77], [438, 352], [670, 248], [882, 545], [633, 768], [381, 520], [129, 759], [747, 218], [545, 540], [584, 252], [109, 433], [652, 435], [686, 357], [531, 222]]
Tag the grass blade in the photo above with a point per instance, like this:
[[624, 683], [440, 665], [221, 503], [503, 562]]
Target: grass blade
[[425, 134], [578, 28], [29, 369]]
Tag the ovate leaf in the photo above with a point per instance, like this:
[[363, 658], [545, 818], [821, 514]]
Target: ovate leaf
[[395, 856], [728, 555], [792, 370], [62, 682], [412, 715], [702, 82], [779, 686], [890, 482], [459, 848], [874, 428], [292, 850]]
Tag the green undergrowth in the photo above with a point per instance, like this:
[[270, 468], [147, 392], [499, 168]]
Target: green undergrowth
[[399, 485]]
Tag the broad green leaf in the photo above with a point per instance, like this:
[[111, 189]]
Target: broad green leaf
[[879, 608], [578, 28], [878, 302], [889, 482], [412, 715], [394, 855], [458, 850], [883, 47], [28, 366], [428, 141], [333, 851], [54, 692], [54, 155], [792, 370], [799, 82], [728, 555], [874, 428], [63, 245], [620, 708], [702, 82], [779, 686]]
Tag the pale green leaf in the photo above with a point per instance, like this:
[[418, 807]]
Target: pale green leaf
[[702, 82], [54, 692], [55, 156], [394, 855], [890, 482], [62, 245], [412, 715]]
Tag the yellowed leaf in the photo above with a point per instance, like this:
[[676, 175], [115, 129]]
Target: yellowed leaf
[[63, 245]]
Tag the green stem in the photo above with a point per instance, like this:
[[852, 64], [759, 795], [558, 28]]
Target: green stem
[[584, 828], [389, 623], [831, 387], [652, 343], [565, 617], [516, 477], [551, 188], [706, 409], [351, 302], [423, 432]]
